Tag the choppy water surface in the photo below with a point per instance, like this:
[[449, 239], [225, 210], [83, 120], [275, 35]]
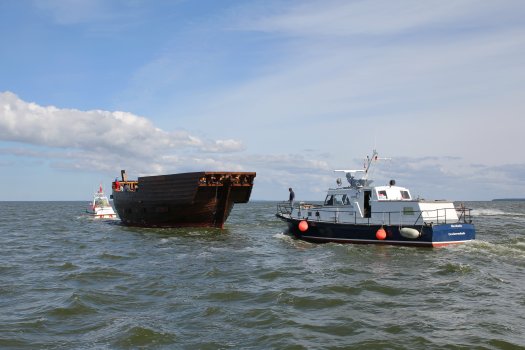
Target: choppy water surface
[[68, 281]]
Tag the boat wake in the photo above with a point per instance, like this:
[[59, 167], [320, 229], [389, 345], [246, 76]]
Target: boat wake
[[283, 236], [493, 212], [487, 212], [295, 242], [513, 249]]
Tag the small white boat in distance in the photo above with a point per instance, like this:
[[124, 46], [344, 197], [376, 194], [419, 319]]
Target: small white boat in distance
[[100, 207]]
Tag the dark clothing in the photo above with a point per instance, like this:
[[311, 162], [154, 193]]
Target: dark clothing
[[292, 196]]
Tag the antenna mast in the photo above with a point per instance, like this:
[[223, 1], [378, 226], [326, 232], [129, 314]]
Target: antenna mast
[[369, 161]]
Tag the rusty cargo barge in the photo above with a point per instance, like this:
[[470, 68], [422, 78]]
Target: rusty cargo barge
[[196, 199]]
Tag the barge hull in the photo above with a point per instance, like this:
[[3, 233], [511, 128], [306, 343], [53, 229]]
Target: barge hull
[[200, 199]]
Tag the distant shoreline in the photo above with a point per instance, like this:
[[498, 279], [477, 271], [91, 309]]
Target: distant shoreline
[[509, 200]]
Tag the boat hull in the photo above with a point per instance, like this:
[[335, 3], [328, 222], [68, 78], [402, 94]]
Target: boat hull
[[430, 235], [171, 214], [203, 199], [102, 216]]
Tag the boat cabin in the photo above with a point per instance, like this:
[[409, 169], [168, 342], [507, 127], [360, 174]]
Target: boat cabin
[[342, 196], [388, 204], [101, 201]]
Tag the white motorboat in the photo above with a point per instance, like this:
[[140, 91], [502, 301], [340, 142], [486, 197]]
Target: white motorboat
[[387, 214], [100, 207]]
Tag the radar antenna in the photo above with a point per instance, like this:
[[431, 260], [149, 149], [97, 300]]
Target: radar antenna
[[363, 181], [369, 160]]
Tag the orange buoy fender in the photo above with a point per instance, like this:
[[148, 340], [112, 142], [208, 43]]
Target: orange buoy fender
[[381, 234], [303, 226]]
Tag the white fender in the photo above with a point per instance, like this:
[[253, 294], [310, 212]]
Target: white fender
[[411, 233]]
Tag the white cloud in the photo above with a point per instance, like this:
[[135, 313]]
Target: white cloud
[[224, 146], [336, 18], [95, 132]]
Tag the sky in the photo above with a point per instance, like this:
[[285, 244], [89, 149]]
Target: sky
[[289, 89]]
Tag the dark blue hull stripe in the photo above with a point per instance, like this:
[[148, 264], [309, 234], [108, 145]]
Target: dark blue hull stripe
[[436, 235]]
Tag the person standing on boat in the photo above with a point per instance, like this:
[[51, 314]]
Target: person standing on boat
[[292, 198]]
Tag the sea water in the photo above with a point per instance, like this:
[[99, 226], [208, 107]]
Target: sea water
[[68, 281]]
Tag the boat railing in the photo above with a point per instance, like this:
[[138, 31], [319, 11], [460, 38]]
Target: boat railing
[[220, 179], [464, 214], [284, 208], [439, 216], [125, 186], [316, 212]]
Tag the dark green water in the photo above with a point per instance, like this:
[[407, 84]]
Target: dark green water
[[71, 282]]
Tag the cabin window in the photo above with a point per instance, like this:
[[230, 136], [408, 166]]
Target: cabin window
[[101, 202], [405, 195], [329, 200], [382, 195], [408, 211], [341, 199]]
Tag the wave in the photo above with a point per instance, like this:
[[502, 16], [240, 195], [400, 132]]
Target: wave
[[74, 307], [487, 212], [495, 212], [297, 243], [283, 236], [139, 336], [454, 268], [96, 275], [513, 249]]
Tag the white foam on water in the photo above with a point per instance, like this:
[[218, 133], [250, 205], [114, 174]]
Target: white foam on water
[[487, 212], [521, 244], [297, 243], [495, 212], [515, 250], [282, 236]]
